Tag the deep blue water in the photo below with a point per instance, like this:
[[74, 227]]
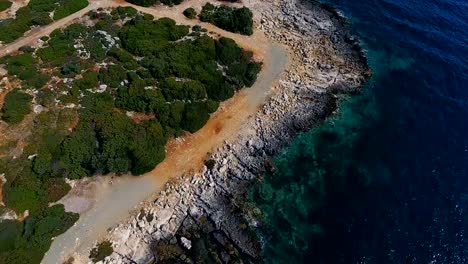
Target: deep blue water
[[419, 53], [407, 134]]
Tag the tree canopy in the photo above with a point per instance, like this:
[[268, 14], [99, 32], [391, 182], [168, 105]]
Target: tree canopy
[[237, 20], [17, 105]]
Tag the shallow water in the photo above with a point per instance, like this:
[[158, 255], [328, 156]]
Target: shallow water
[[386, 180]]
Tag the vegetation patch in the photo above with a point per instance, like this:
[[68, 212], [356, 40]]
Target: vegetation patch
[[27, 241], [16, 106], [103, 250], [190, 13], [4, 5], [237, 20], [100, 76], [155, 2]]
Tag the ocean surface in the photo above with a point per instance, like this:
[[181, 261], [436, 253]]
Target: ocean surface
[[386, 179]]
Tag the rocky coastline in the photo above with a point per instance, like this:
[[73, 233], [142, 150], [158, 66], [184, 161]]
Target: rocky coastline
[[205, 215]]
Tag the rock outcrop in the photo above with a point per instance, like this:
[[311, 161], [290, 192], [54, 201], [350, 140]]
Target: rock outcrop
[[204, 215]]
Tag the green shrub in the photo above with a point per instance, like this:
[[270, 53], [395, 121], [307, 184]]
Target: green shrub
[[190, 13], [146, 37], [113, 75], [125, 11], [4, 5], [70, 69], [16, 106], [143, 2], [195, 116], [100, 252], [89, 80], [237, 20], [171, 2], [153, 2]]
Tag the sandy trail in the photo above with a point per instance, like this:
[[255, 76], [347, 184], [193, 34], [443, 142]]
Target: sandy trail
[[113, 203]]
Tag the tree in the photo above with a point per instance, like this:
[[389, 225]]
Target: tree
[[4, 5], [143, 2], [195, 116], [237, 20], [100, 252], [78, 150], [16, 106], [190, 13]]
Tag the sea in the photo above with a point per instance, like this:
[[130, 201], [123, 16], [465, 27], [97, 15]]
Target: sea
[[385, 180]]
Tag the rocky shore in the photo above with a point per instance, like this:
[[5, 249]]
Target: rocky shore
[[204, 215]]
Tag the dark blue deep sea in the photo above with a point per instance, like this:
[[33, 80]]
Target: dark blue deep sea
[[386, 180]]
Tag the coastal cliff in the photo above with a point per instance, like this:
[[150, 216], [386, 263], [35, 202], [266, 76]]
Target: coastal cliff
[[205, 215]]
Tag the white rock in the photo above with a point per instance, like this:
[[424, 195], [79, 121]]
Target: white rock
[[223, 169], [70, 106], [186, 242]]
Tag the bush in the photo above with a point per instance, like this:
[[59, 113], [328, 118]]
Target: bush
[[89, 81], [190, 13], [171, 2], [16, 106], [153, 2], [100, 252], [70, 69], [4, 5], [237, 20], [146, 37], [143, 2], [124, 12], [26, 68], [195, 116]]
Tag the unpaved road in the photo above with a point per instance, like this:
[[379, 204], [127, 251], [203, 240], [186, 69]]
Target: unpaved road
[[113, 203]]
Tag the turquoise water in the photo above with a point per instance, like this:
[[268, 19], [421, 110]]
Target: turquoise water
[[386, 180]]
